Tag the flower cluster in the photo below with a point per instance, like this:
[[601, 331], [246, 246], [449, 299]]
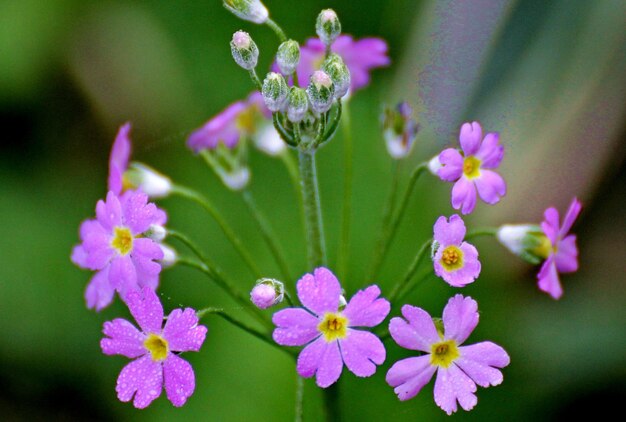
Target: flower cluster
[[298, 106]]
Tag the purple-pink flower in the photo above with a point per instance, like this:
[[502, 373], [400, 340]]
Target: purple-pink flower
[[155, 349], [459, 368], [470, 168], [119, 159], [112, 244], [328, 331], [454, 260], [237, 120], [359, 56], [561, 253]]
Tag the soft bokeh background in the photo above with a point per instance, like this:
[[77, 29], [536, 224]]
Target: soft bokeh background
[[550, 76]]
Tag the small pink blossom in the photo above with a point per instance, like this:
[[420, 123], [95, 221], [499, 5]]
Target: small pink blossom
[[454, 260]]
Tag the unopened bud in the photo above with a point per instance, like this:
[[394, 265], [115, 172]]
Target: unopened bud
[[267, 292], [244, 50], [321, 92], [237, 179], [339, 73], [288, 57], [297, 104], [527, 241], [170, 257], [434, 165], [249, 10], [327, 26], [156, 232], [399, 130], [275, 91], [149, 181]]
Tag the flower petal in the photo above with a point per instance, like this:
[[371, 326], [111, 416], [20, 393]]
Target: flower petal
[[470, 137], [295, 327], [566, 257], [125, 339], [365, 309], [180, 381], [490, 152], [109, 212], [410, 375], [570, 217], [118, 160], [221, 128], [479, 361], [449, 233], [123, 276], [182, 331], [323, 359], [146, 308], [99, 292], [451, 385], [138, 213], [550, 225], [451, 165], [549, 278], [464, 195], [319, 292], [417, 332], [142, 378], [491, 186], [361, 352], [460, 317]]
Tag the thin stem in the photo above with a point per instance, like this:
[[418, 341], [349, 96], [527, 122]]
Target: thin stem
[[299, 398], [277, 30], [482, 231], [255, 79], [412, 285], [314, 227], [228, 231], [284, 133], [411, 270], [379, 252], [344, 242], [268, 233], [332, 128], [390, 233]]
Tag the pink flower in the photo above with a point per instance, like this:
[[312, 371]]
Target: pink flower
[[459, 368], [155, 349], [470, 169], [328, 330], [119, 159], [560, 251], [113, 245], [454, 260]]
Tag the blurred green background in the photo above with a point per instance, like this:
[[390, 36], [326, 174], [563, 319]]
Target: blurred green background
[[550, 76]]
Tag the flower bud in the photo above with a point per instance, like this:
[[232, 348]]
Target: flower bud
[[275, 91], [297, 104], [327, 26], [244, 50], [170, 257], [321, 92], [434, 165], [269, 141], [526, 241], [148, 180], [399, 130], [288, 57], [237, 179], [249, 10], [156, 232], [339, 73], [267, 292]]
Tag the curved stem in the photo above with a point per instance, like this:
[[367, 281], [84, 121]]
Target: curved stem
[[344, 241], [299, 398], [255, 80], [410, 271], [314, 227], [482, 231], [277, 30], [268, 233], [284, 134], [228, 231]]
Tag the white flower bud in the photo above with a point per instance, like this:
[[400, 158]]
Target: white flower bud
[[339, 73], [399, 130], [297, 104], [148, 180], [327, 26], [275, 91], [244, 50], [269, 141], [267, 292], [434, 165], [156, 232], [249, 10], [288, 57], [169, 256], [321, 92], [526, 241], [236, 180]]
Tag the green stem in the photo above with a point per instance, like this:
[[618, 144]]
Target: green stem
[[292, 169], [482, 231], [255, 79], [379, 252], [277, 30], [228, 231], [331, 403], [411, 271], [390, 233], [411, 285], [268, 233], [314, 228], [299, 398], [344, 242]]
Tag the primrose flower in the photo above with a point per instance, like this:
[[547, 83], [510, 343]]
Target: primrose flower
[[459, 368], [113, 245], [359, 56], [155, 349], [327, 329], [454, 260], [470, 168], [559, 250]]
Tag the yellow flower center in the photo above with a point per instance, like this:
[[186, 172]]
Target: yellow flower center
[[471, 167], [544, 248], [452, 258], [444, 353], [246, 120], [157, 346], [122, 240], [333, 326]]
